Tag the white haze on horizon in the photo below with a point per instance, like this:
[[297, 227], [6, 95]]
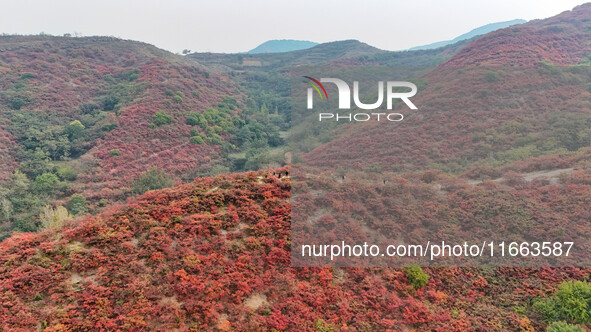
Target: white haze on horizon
[[238, 26]]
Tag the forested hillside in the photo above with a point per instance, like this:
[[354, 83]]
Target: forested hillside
[[89, 121]]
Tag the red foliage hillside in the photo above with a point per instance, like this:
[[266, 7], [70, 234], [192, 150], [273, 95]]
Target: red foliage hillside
[[214, 254], [562, 39], [57, 76], [516, 93]]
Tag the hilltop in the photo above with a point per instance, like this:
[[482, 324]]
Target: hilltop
[[317, 55], [471, 34], [562, 39], [283, 45]]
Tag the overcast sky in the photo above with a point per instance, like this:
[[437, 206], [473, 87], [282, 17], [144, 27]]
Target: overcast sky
[[236, 26]]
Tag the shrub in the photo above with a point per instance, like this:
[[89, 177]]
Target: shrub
[[46, 183], [214, 139], [89, 108], [169, 92], [110, 102], [196, 140], [36, 163], [564, 327], [66, 173], [53, 218], [74, 130], [161, 118], [196, 119], [131, 75], [114, 152], [17, 102], [77, 204], [108, 126], [571, 303], [416, 277], [491, 76], [27, 76], [177, 99], [322, 326], [151, 180]]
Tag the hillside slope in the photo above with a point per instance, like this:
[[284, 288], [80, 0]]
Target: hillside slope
[[82, 113], [562, 39], [214, 255], [515, 93]]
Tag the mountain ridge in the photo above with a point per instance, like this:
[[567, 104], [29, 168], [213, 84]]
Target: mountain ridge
[[282, 45], [482, 30]]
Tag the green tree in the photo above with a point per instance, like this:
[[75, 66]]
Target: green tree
[[491, 76], [110, 102], [53, 218], [66, 173], [564, 327], [265, 110], [196, 119], [17, 102], [196, 139], [36, 163], [16, 190], [161, 118], [19, 205], [114, 152], [416, 277], [571, 303], [151, 180], [77, 204], [46, 183], [74, 130]]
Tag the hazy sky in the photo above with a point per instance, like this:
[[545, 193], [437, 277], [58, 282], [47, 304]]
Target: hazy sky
[[236, 26]]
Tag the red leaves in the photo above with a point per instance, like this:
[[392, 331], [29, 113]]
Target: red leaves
[[416, 312], [278, 321], [168, 261], [278, 256]]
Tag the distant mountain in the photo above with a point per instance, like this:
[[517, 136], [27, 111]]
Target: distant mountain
[[316, 55], [283, 45], [473, 33]]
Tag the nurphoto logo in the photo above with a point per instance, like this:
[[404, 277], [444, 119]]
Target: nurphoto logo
[[344, 99]]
